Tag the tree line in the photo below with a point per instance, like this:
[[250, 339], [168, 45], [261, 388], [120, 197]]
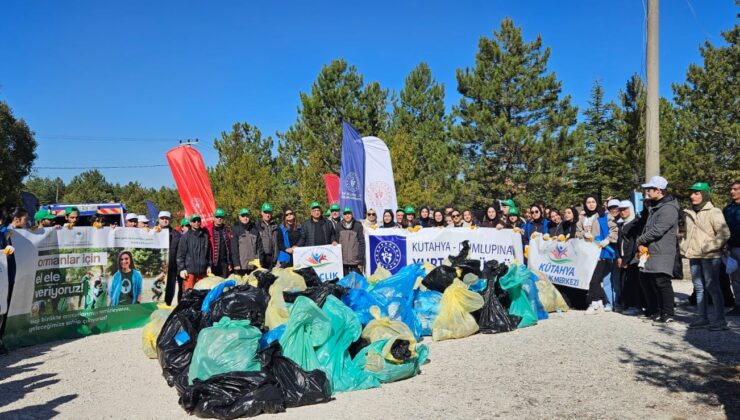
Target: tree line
[[514, 133]]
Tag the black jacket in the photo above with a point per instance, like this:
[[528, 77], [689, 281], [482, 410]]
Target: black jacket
[[194, 252], [172, 258], [317, 233], [246, 244], [269, 235], [352, 240], [626, 246]]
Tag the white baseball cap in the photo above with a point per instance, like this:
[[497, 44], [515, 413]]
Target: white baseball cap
[[625, 204], [132, 216], [656, 182], [164, 214], [612, 203], [143, 219]]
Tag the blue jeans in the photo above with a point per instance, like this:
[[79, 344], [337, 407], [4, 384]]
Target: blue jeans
[[613, 286], [705, 276]]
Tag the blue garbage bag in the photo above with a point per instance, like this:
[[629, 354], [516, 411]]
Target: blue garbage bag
[[479, 286], [354, 280], [214, 294], [530, 288], [360, 301], [400, 284], [272, 335], [399, 309], [426, 307]]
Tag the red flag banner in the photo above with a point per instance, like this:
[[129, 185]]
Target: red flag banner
[[191, 178], [331, 182]]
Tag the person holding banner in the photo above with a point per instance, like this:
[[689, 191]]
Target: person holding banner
[[400, 217], [334, 215], [132, 220], [492, 219], [538, 223], [513, 221], [507, 205], [439, 219], [425, 217], [127, 282], [269, 235], [371, 219], [409, 220], [72, 216], [317, 230], [194, 254], [388, 222], [290, 234], [143, 222], [598, 227], [246, 244], [352, 238]]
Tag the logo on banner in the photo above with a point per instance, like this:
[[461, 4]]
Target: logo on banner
[[352, 183], [317, 259], [387, 254], [559, 255], [378, 193]]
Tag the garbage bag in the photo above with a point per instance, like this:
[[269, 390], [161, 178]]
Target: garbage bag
[[271, 336], [492, 272], [398, 309], [215, 292], [307, 329], [178, 338], [151, 330], [400, 284], [493, 317], [310, 277], [227, 346], [426, 307], [297, 386], [358, 345], [382, 328], [334, 355], [360, 301], [530, 288], [440, 278], [454, 319], [468, 267], [354, 280], [265, 279], [478, 286], [550, 297], [371, 359], [381, 273], [208, 282], [456, 260], [277, 312], [233, 395], [241, 302], [512, 283], [319, 293]]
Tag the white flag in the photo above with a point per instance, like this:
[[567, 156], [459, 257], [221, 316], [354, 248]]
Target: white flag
[[380, 189]]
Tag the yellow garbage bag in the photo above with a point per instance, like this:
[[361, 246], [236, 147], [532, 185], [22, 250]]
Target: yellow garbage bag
[[277, 311], [454, 319], [383, 328], [208, 282], [550, 297], [381, 273], [151, 330]]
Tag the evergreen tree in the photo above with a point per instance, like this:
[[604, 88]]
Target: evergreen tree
[[45, 189], [89, 187], [17, 153]]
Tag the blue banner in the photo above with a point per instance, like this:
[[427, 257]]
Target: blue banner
[[352, 175], [153, 213], [387, 251]]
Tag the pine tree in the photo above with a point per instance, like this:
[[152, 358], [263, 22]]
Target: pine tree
[[89, 187], [17, 153]]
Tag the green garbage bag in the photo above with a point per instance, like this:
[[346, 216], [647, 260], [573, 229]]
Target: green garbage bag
[[520, 305], [372, 361], [227, 346], [334, 355], [307, 328]]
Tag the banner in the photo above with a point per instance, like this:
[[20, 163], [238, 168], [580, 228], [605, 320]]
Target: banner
[[75, 282], [352, 175], [570, 263], [153, 212], [380, 189], [331, 182], [325, 259], [191, 178], [396, 248]]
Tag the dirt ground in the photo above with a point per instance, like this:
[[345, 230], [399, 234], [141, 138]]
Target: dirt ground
[[572, 365]]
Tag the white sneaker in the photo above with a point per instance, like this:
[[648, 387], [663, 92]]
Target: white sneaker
[[594, 308], [607, 308]]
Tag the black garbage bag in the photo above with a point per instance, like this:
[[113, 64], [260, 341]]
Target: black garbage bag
[[439, 278], [492, 272], [232, 395], [178, 337], [298, 387], [265, 279], [462, 255], [356, 346], [241, 302], [319, 293], [309, 276], [469, 266], [400, 350], [494, 317]]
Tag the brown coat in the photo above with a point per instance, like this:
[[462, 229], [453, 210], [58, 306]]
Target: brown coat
[[706, 233]]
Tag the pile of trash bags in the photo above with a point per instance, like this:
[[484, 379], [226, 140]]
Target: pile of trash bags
[[272, 340]]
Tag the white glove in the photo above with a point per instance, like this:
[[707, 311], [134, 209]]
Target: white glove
[[535, 235], [588, 236], [183, 274], [209, 272]]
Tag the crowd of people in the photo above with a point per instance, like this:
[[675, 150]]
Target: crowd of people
[[640, 253]]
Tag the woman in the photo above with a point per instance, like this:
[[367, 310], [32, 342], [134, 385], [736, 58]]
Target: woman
[[425, 220], [536, 224], [492, 218], [126, 286], [388, 220], [513, 221], [184, 225], [290, 234], [456, 219], [555, 219], [468, 220], [439, 219], [568, 225], [371, 219], [597, 227]]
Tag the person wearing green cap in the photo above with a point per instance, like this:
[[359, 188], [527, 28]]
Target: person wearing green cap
[[194, 253], [506, 205], [44, 218], [72, 216], [409, 220], [334, 217], [351, 236], [400, 217], [512, 219], [221, 264], [269, 235], [706, 235], [184, 225], [246, 244], [317, 230]]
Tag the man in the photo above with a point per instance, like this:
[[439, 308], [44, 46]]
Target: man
[[246, 243], [194, 254], [732, 218], [334, 215], [706, 235], [72, 216], [142, 222], [658, 242], [613, 281], [184, 225], [317, 230], [172, 280], [352, 238], [44, 218], [132, 220], [506, 205], [400, 215], [268, 230], [221, 264], [371, 219], [448, 210], [410, 214]]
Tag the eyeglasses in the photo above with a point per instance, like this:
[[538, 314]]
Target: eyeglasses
[[195, 221], [456, 215], [372, 214], [218, 217], [535, 212]]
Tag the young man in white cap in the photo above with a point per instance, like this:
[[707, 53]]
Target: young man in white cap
[[659, 240], [143, 222], [164, 218], [613, 282], [132, 220]]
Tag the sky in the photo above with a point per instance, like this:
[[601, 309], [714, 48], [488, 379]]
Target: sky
[[120, 83]]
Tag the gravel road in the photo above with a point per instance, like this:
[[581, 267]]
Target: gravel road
[[572, 365]]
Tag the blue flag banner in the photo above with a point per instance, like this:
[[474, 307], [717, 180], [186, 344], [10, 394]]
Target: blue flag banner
[[388, 251], [30, 204], [352, 175], [153, 212]]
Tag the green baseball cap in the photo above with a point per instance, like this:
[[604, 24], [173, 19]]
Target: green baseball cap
[[327, 213], [315, 205], [244, 212], [508, 203], [70, 210], [701, 186], [409, 210], [347, 210], [513, 211], [266, 208], [195, 216], [184, 222], [39, 215], [48, 215], [219, 213], [334, 207]]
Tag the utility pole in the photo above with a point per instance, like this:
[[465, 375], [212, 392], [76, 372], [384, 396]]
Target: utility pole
[[652, 110]]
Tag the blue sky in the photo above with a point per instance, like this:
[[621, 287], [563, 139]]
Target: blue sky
[[127, 79]]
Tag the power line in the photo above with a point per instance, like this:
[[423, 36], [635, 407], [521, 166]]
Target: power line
[[106, 139], [98, 167]]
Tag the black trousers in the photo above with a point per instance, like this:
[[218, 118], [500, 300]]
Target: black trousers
[[221, 269], [631, 290], [267, 261], [662, 289], [169, 289], [595, 291]]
